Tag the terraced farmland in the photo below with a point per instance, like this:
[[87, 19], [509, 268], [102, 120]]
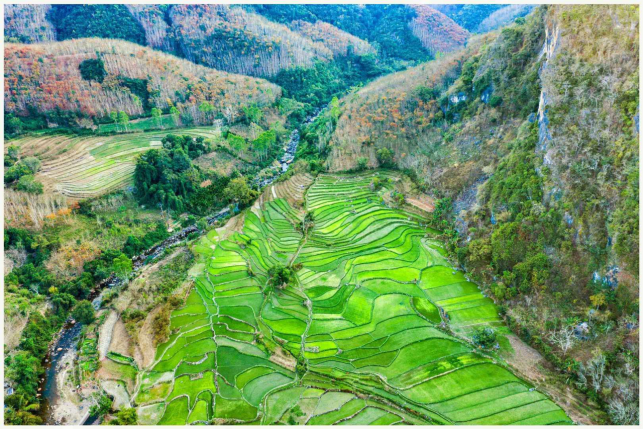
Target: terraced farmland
[[292, 190], [85, 167], [358, 337]]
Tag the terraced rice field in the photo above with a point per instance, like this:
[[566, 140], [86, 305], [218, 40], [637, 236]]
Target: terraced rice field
[[85, 167], [292, 190], [355, 340]]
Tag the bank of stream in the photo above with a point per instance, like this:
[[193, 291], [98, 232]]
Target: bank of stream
[[63, 350]]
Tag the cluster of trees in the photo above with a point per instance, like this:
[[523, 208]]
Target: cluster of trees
[[20, 172], [68, 296], [134, 246], [106, 21], [93, 69], [317, 85], [279, 277], [168, 178]]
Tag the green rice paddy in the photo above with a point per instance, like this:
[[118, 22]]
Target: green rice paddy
[[85, 167], [358, 338]]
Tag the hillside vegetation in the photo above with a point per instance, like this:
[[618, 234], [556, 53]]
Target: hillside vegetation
[[47, 81], [28, 23], [438, 33], [231, 39], [259, 40], [400, 112], [322, 214]]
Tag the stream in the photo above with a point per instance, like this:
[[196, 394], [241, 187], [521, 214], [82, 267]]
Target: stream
[[290, 149], [63, 350]]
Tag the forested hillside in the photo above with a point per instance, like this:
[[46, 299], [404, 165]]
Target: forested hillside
[[354, 42], [438, 33], [529, 137], [480, 18], [71, 83], [402, 35], [27, 23], [229, 38]]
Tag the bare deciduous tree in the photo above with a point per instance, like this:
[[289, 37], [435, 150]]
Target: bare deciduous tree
[[596, 370], [564, 338]]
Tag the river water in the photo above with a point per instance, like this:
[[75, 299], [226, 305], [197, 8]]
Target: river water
[[290, 149], [64, 348]]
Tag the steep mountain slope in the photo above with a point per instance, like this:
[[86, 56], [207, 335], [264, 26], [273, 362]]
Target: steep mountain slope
[[589, 122], [480, 18], [532, 135], [27, 23], [45, 79], [261, 36], [231, 39], [437, 32], [401, 112]]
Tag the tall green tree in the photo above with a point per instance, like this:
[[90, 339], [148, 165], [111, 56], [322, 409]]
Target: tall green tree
[[123, 119], [156, 114], [84, 312]]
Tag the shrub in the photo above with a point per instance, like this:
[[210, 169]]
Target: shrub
[[385, 157], [29, 184], [32, 163], [362, 163], [125, 417], [279, 277], [15, 172], [161, 325], [133, 315], [93, 69], [484, 337], [495, 101], [84, 312], [103, 406], [122, 266]]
